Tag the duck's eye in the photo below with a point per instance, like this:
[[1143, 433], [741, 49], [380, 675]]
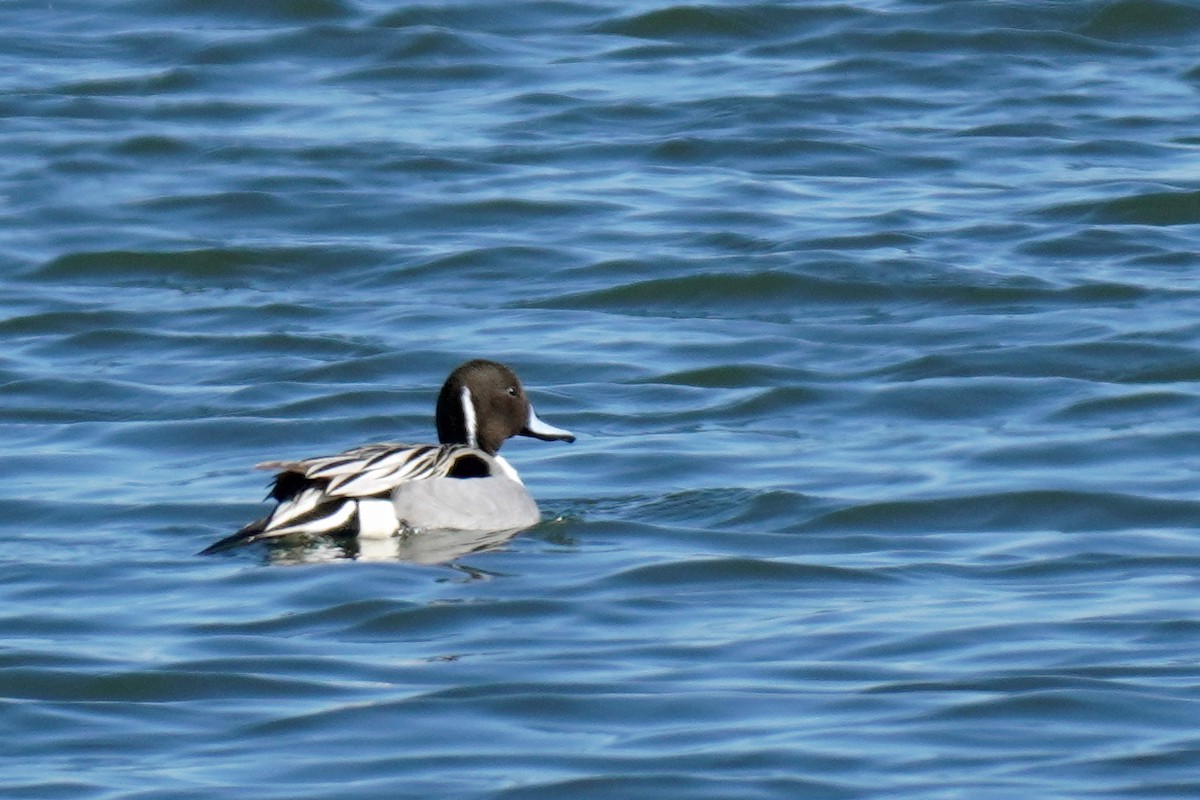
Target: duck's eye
[[512, 390]]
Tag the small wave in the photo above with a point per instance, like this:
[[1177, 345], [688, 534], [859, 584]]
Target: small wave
[[753, 573], [1143, 20], [750, 23], [1151, 208], [284, 11], [153, 146], [166, 685], [195, 267], [438, 45], [497, 212], [1032, 510], [1133, 407], [138, 84], [731, 376], [1102, 361], [683, 781], [431, 73], [774, 291]]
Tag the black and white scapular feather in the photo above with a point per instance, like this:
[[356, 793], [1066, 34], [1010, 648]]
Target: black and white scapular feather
[[380, 490]]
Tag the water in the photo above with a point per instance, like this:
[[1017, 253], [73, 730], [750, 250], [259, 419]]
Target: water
[[877, 322]]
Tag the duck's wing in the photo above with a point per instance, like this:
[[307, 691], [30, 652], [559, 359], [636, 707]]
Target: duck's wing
[[351, 492], [373, 470]]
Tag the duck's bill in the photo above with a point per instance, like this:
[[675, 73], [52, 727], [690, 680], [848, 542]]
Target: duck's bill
[[541, 430]]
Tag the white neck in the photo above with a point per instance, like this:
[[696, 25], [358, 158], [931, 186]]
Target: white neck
[[508, 470], [468, 407]]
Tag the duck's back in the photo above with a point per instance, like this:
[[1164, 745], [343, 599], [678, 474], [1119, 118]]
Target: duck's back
[[398, 486]]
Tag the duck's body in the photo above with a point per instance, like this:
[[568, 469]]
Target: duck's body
[[380, 490]]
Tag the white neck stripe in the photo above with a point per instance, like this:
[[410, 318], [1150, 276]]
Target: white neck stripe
[[468, 406]]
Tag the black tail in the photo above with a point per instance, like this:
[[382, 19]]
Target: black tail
[[244, 536]]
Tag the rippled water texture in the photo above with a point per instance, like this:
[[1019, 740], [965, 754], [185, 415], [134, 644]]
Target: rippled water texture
[[877, 321]]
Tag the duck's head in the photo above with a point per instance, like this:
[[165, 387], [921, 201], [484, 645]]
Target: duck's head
[[483, 403]]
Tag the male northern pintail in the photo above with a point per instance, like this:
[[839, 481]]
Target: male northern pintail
[[380, 490]]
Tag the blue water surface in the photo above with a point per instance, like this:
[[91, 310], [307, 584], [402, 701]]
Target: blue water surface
[[877, 322]]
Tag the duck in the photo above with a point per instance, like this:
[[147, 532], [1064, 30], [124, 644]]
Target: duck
[[389, 489]]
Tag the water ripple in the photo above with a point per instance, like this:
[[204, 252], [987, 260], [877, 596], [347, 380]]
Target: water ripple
[[876, 323]]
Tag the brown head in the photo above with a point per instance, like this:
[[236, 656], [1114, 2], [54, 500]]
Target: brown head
[[482, 404]]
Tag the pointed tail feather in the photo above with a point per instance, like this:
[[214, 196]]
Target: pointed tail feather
[[245, 535]]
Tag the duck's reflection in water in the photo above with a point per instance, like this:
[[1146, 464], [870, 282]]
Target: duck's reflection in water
[[424, 547]]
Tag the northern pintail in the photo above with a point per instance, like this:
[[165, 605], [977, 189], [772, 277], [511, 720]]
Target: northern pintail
[[380, 490]]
